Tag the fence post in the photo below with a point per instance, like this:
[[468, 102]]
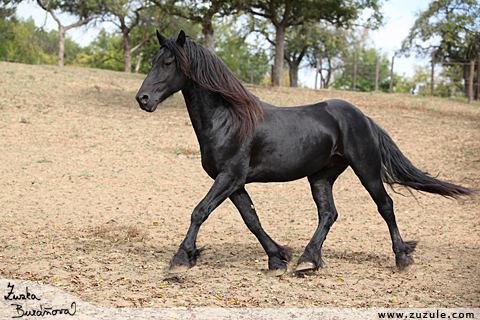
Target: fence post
[[321, 75], [433, 71], [376, 74], [478, 78], [251, 74], [470, 81], [271, 80], [355, 72], [391, 76], [316, 73]]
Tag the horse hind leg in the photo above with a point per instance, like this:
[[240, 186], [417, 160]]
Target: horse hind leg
[[321, 184], [371, 179]]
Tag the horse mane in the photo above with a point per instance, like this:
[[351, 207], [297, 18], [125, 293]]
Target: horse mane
[[209, 71]]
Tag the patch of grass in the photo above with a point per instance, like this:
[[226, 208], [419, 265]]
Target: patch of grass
[[44, 161], [118, 233], [185, 151]]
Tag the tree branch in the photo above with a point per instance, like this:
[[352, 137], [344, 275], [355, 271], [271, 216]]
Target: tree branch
[[78, 24], [138, 46]]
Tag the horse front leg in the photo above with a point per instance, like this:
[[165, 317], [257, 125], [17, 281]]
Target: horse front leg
[[321, 184], [186, 257], [278, 256]]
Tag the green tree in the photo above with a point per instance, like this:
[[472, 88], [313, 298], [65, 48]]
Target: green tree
[[84, 10], [105, 52], [333, 46], [311, 41], [127, 16], [283, 14], [404, 84], [240, 56], [448, 84], [366, 64], [201, 12], [451, 30], [8, 9], [22, 41]]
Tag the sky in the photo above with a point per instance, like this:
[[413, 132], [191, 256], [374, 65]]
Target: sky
[[399, 18]]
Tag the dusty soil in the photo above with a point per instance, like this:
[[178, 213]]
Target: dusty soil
[[96, 196]]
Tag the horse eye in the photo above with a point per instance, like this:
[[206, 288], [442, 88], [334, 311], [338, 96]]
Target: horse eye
[[167, 64]]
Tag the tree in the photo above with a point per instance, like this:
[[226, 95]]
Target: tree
[[201, 12], [84, 10], [128, 15], [365, 81], [451, 30], [104, 52], [241, 56], [308, 41], [8, 9], [283, 14], [333, 46], [22, 41]]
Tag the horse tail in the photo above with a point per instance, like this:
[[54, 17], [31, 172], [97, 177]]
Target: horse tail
[[397, 169]]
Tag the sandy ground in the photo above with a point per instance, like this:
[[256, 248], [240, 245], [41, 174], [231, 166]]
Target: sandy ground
[[97, 195]]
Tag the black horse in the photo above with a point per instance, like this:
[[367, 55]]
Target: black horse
[[243, 140]]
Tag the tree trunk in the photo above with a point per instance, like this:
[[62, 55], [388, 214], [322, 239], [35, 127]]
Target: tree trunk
[[61, 44], [293, 74], [127, 53], [208, 33], [279, 54]]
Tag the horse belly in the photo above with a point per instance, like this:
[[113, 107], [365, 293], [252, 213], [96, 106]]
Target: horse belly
[[288, 162]]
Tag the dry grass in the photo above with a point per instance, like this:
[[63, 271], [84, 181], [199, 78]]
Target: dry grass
[[117, 233]]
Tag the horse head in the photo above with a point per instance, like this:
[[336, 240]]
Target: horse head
[[164, 78]]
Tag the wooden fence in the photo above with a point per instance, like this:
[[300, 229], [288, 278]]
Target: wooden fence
[[471, 86]]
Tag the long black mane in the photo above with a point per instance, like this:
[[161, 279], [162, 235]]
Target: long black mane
[[210, 72]]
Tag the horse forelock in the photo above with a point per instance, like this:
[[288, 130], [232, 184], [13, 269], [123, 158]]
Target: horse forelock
[[210, 72]]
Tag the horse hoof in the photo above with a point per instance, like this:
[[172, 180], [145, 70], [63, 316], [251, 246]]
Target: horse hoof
[[179, 268], [405, 269], [278, 272], [305, 266]]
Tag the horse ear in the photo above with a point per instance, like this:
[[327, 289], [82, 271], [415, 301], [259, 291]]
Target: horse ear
[[181, 38], [161, 39]]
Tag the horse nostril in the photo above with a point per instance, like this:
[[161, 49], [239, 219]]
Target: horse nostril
[[143, 99]]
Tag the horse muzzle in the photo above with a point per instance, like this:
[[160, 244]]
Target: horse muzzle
[[145, 102]]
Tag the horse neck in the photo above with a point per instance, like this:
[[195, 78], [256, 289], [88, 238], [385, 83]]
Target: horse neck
[[208, 111]]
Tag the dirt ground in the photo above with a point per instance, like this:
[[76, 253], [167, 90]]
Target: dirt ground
[[96, 196]]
